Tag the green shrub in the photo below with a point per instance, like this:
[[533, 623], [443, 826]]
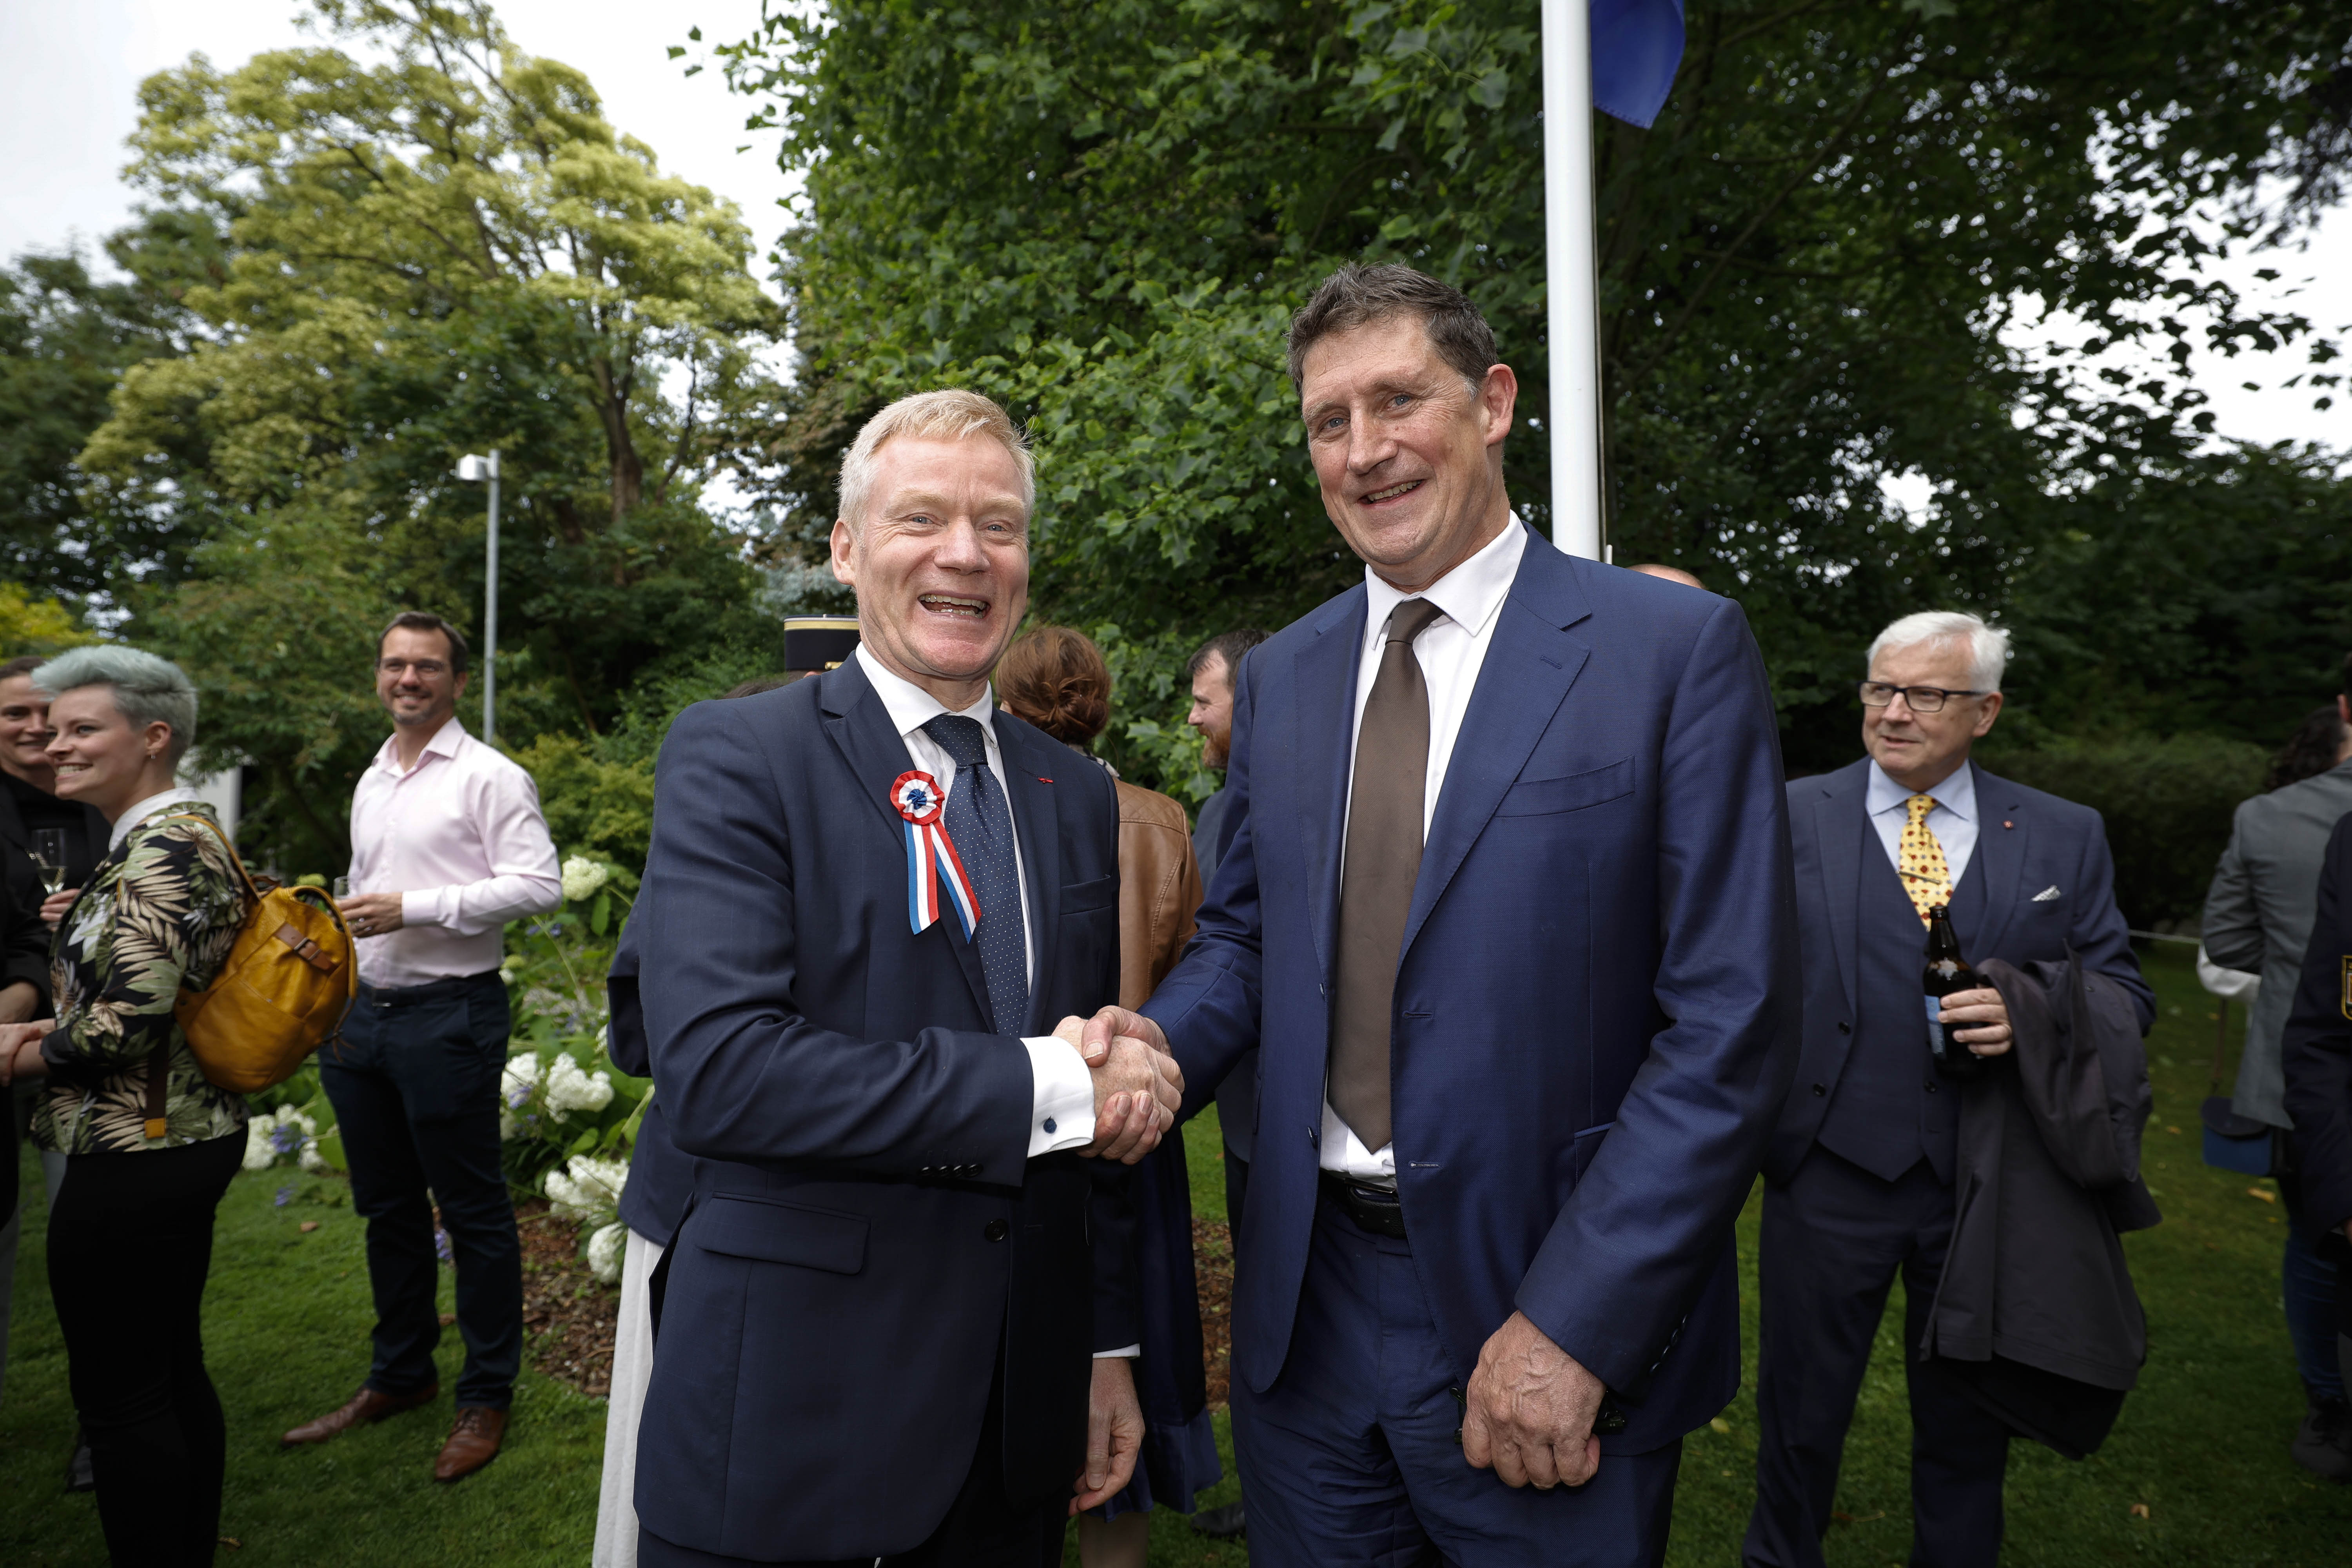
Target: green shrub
[[2167, 805]]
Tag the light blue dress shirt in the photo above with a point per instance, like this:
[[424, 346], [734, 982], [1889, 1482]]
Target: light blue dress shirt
[[1952, 819]]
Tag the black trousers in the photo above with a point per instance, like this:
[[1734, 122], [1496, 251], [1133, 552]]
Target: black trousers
[[982, 1528], [1834, 1238], [130, 1241], [414, 1084]]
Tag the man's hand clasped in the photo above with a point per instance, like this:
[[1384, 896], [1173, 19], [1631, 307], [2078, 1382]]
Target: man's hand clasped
[[1137, 1085], [1528, 1412]]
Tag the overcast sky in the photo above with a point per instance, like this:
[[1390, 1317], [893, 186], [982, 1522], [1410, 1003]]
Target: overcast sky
[[74, 68]]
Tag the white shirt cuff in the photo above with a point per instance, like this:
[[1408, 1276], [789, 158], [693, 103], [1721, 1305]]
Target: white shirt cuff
[[421, 907], [1062, 1099], [1126, 1352]]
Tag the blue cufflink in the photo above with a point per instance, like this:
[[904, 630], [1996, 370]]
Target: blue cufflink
[[1049, 1124]]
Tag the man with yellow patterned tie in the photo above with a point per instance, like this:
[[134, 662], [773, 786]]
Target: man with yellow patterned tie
[[1858, 1180]]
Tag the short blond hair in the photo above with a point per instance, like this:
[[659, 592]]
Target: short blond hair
[[949, 413]]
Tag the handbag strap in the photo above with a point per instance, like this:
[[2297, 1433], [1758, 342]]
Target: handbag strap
[[158, 1083]]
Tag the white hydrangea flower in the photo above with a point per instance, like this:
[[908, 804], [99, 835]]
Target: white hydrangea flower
[[258, 1154], [570, 1090], [587, 1188], [582, 877], [606, 1249], [517, 1087], [312, 1160]]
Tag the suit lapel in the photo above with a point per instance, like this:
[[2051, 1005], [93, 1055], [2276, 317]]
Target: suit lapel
[[1842, 829], [1999, 856], [1037, 819], [1323, 717], [859, 727], [1528, 669]]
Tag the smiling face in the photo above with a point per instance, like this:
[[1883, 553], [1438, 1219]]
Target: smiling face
[[101, 758], [1212, 710], [25, 732], [413, 681], [1920, 751], [1409, 454], [941, 561]]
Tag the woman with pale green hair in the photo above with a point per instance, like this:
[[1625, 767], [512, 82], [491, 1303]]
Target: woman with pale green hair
[[149, 1143]]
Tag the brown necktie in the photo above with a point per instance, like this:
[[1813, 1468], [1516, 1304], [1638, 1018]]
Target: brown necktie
[[1384, 817]]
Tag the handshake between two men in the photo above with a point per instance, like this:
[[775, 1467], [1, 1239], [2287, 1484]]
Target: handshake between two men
[[1139, 1087]]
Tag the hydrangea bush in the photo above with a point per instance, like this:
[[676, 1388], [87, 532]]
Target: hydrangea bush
[[567, 1115], [283, 1136]]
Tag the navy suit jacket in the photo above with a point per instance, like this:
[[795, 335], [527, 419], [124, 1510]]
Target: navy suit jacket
[[2027, 843], [661, 1175], [868, 1240], [1593, 1009]]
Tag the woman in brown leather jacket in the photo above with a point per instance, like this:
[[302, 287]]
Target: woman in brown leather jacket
[[1055, 679]]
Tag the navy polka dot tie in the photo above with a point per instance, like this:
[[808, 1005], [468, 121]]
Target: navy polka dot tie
[[981, 823]]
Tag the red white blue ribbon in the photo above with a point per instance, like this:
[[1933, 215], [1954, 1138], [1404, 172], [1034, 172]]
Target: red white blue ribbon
[[931, 857]]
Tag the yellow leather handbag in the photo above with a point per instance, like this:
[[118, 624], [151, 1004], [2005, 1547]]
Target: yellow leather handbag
[[282, 992]]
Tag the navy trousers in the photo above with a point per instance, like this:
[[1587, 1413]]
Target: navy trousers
[[1833, 1240], [414, 1084], [1354, 1457]]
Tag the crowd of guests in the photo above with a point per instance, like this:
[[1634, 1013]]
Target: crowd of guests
[[925, 988]]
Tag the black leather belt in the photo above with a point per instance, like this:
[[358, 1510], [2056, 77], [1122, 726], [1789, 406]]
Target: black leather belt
[[1376, 1209], [431, 991]]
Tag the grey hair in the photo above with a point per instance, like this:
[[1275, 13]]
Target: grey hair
[[949, 413], [147, 689], [1988, 646]]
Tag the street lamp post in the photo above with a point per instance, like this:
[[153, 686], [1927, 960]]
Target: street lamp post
[[471, 467]]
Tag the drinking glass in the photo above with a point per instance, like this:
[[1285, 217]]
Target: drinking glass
[[342, 889], [49, 856]]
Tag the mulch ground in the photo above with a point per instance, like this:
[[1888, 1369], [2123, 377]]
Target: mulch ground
[[567, 1312], [570, 1314]]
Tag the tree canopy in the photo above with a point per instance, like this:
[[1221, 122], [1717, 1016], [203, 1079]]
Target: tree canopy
[[1102, 213], [427, 243]]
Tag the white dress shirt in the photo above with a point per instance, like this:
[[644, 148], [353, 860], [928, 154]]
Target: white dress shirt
[[1062, 1099], [460, 838], [1952, 819], [1451, 650]]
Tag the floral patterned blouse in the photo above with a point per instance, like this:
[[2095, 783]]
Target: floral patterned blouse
[[160, 912]]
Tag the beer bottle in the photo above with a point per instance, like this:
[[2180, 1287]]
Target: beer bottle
[[1947, 973]]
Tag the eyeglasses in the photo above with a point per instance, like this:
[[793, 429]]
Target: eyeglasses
[[427, 668], [1920, 699]]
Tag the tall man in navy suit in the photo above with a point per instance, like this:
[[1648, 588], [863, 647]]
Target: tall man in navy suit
[[1509, 909], [1858, 1183], [890, 1323]]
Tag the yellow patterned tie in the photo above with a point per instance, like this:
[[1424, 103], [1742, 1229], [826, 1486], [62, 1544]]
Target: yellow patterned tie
[[1925, 877]]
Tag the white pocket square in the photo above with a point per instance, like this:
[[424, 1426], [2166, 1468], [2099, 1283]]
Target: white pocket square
[[2045, 895]]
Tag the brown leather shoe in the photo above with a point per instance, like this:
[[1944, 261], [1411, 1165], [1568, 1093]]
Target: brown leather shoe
[[366, 1406], [473, 1442]]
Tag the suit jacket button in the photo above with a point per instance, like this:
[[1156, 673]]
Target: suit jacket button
[[1930, 1086], [1845, 1029], [996, 1230], [1821, 1089]]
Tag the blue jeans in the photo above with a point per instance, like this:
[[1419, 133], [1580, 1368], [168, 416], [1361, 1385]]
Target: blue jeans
[[415, 1083]]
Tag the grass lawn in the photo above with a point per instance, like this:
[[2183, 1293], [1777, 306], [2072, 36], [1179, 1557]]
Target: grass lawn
[[2201, 1446]]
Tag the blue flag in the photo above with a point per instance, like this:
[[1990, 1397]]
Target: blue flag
[[1636, 45]]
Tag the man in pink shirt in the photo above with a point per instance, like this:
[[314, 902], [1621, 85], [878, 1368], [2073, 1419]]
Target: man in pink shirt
[[447, 844]]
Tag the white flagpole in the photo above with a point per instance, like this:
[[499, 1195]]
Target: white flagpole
[[1572, 277]]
